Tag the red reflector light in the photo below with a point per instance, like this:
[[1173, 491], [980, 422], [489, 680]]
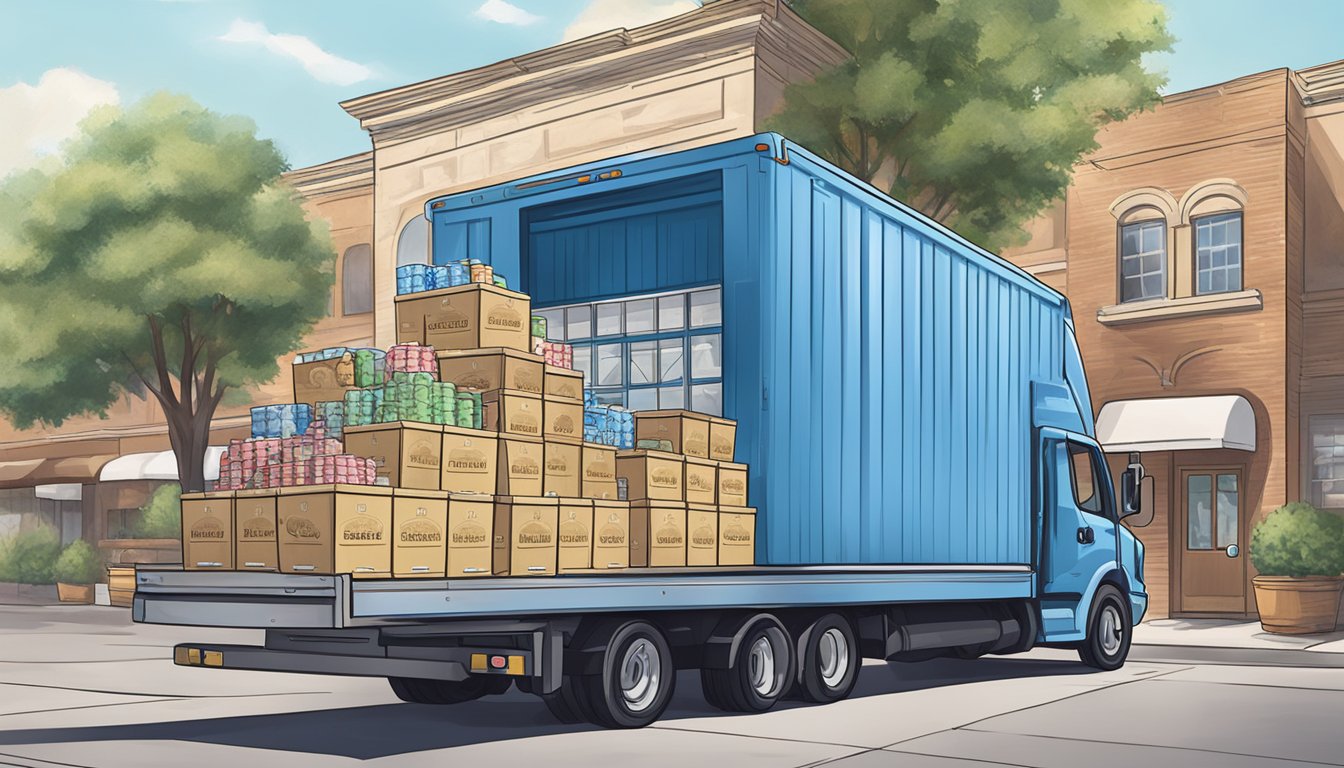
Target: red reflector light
[[762, 147], [498, 662]]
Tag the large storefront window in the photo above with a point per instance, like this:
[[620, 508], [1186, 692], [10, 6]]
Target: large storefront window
[[648, 352], [1326, 459]]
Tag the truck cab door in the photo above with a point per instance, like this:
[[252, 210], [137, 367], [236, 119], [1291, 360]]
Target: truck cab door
[[1078, 541]]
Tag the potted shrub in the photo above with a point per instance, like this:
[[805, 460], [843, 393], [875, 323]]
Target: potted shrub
[[75, 571], [1299, 552]]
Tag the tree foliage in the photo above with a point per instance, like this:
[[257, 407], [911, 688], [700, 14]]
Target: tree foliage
[[161, 517], [165, 255], [973, 111]]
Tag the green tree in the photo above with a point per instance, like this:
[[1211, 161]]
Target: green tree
[[164, 255], [973, 111]]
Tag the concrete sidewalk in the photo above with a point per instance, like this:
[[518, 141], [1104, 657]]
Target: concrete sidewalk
[[1231, 641]]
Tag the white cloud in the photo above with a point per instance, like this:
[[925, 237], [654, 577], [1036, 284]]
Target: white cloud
[[38, 118], [502, 12], [324, 66], [602, 15]]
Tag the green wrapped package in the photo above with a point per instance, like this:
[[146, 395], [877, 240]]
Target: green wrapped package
[[368, 366]]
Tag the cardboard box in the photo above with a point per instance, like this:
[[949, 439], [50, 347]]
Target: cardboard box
[[207, 531], [563, 419], [651, 475], [254, 530], [482, 370], [563, 382], [513, 412], [737, 536], [657, 533], [564, 465], [520, 463], [575, 535], [324, 379], [330, 529], [470, 458], [702, 535], [688, 431], [599, 471], [525, 535], [465, 317], [420, 544], [408, 453], [722, 439], [702, 480], [611, 533], [732, 484], [471, 526]]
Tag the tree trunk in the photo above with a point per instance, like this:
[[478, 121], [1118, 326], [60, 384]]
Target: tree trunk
[[189, 435]]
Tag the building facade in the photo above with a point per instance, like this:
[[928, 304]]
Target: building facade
[[703, 77], [1199, 249]]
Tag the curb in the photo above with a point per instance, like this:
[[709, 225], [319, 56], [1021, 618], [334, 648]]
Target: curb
[[1248, 657]]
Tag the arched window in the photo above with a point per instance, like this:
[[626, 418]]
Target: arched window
[[1143, 217], [413, 243], [357, 280], [1213, 209], [1143, 255]]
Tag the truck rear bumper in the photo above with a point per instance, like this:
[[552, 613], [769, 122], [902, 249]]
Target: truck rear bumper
[[267, 660]]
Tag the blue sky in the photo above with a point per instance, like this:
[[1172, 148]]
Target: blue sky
[[286, 63]]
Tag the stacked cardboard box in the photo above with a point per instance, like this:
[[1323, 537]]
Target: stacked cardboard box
[[471, 458], [689, 499]]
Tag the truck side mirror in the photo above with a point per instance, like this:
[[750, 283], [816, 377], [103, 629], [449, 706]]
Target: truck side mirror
[[1131, 500]]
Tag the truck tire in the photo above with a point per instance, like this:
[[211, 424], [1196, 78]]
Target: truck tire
[[635, 683], [1109, 632], [828, 660], [424, 691], [569, 705], [760, 673]]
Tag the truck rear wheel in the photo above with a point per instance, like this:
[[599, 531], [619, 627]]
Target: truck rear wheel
[[424, 691], [828, 660], [568, 704], [634, 685], [758, 675], [1109, 631]]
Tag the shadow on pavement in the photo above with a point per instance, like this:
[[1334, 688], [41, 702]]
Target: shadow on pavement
[[391, 729]]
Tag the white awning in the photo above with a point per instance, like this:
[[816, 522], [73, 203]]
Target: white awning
[[1177, 424], [60, 492], [156, 466]]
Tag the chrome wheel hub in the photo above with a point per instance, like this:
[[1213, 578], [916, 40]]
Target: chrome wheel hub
[[641, 675]]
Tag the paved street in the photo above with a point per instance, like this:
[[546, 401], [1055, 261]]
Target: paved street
[[82, 686]]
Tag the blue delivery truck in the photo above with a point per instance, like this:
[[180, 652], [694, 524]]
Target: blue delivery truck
[[913, 410]]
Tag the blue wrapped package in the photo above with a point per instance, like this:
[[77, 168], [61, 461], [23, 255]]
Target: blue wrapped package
[[437, 277], [259, 422], [412, 278], [332, 415], [458, 274]]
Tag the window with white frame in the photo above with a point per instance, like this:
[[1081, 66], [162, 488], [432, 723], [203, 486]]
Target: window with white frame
[[648, 352], [1326, 461], [1218, 253], [1143, 260]]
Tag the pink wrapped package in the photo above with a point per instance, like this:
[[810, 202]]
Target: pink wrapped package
[[410, 358]]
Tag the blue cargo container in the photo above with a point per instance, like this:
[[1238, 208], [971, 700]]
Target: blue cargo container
[[880, 367], [912, 408]]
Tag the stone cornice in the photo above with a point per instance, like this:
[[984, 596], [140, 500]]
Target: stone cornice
[[611, 60], [334, 178]]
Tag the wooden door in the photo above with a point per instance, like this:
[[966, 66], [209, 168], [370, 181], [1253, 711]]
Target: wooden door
[[1211, 515]]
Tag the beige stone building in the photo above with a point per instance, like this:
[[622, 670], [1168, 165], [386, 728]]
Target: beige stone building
[[1199, 248], [699, 78]]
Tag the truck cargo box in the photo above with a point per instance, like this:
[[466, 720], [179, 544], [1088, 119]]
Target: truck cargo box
[[880, 368]]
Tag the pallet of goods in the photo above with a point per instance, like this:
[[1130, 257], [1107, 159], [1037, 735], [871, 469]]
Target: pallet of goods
[[468, 449]]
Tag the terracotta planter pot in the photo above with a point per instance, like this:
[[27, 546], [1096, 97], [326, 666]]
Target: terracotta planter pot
[[1298, 606], [75, 593]]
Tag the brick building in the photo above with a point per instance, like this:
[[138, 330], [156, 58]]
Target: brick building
[[1199, 248]]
